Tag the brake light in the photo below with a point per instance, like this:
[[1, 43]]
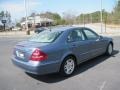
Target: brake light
[[38, 55]]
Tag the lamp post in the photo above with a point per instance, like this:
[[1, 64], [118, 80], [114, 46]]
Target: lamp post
[[26, 21], [101, 18]]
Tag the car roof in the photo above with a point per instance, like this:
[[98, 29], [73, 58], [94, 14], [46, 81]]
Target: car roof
[[64, 28]]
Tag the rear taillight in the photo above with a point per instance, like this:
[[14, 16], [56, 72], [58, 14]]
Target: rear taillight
[[38, 55]]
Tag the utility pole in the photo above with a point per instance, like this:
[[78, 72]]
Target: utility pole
[[101, 18], [26, 21]]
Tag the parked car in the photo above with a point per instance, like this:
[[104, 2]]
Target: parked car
[[38, 30], [16, 29], [60, 50]]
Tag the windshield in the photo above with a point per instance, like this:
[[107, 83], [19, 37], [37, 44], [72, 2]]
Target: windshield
[[45, 37]]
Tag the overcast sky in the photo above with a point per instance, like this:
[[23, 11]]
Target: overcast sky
[[17, 9]]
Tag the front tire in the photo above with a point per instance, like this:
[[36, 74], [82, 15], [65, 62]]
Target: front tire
[[109, 50], [68, 66]]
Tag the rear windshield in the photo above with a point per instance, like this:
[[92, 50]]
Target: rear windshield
[[46, 37]]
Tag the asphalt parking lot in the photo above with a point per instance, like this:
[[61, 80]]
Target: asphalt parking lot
[[101, 73]]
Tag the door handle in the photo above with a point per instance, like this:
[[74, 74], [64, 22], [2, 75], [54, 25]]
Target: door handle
[[73, 45], [97, 40]]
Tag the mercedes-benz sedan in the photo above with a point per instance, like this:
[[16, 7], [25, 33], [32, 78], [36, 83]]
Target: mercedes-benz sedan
[[60, 50]]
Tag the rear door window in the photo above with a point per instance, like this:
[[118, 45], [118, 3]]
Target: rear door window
[[75, 35]]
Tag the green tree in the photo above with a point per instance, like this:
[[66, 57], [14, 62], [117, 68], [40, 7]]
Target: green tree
[[2, 13], [116, 12], [18, 25], [69, 18], [55, 16]]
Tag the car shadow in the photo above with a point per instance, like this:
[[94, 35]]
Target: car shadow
[[54, 78]]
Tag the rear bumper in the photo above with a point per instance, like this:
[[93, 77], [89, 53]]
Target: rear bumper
[[37, 67]]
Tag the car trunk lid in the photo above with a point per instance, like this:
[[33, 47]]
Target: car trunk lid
[[24, 50]]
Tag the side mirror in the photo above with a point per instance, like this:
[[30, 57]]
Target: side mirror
[[100, 37]]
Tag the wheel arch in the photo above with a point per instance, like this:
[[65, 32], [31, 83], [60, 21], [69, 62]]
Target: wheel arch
[[63, 60], [111, 42], [72, 55]]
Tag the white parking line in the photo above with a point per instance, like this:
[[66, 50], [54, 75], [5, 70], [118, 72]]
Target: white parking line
[[103, 85]]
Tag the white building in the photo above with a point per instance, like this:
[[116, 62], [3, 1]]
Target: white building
[[37, 21]]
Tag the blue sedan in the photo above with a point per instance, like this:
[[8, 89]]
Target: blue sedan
[[60, 50]]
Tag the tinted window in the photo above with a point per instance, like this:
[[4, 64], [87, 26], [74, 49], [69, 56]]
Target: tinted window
[[90, 34], [75, 35], [45, 37]]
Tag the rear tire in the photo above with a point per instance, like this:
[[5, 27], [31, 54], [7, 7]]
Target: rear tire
[[68, 66], [109, 50]]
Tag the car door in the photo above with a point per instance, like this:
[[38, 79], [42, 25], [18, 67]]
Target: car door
[[96, 43], [78, 45]]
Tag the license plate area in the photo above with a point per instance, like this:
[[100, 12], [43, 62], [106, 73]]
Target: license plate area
[[20, 54]]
